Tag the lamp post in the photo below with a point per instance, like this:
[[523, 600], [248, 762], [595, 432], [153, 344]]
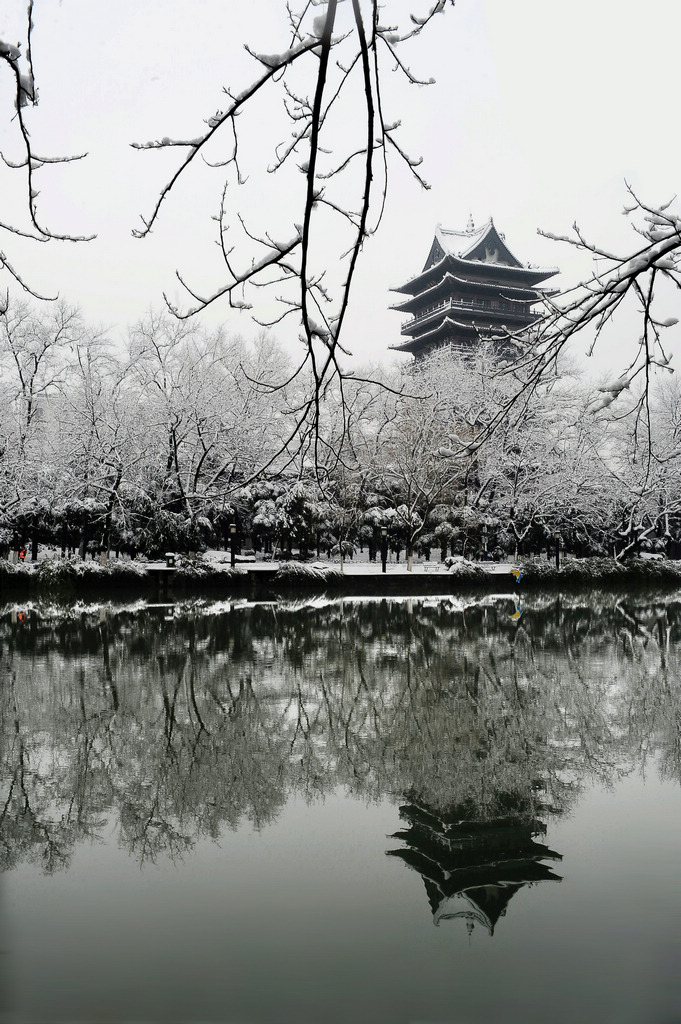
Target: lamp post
[[232, 544], [484, 542], [557, 551], [384, 547]]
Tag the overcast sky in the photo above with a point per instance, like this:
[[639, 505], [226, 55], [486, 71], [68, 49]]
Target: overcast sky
[[539, 112]]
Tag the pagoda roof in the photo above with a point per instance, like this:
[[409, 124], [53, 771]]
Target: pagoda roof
[[447, 323], [529, 294], [472, 251], [483, 244], [426, 336]]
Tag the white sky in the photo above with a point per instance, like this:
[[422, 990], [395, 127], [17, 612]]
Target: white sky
[[539, 113]]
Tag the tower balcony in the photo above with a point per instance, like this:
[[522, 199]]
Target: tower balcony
[[486, 309]]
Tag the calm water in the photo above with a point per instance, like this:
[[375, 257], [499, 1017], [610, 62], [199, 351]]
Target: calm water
[[363, 811]]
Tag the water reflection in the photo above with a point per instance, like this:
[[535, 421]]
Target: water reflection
[[180, 724], [472, 868]]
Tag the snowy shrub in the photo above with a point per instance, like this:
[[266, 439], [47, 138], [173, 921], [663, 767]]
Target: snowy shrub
[[594, 570], [65, 577], [454, 560], [299, 573], [464, 570]]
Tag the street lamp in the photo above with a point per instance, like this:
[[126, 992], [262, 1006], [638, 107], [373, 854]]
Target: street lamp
[[232, 544], [484, 542], [384, 547]]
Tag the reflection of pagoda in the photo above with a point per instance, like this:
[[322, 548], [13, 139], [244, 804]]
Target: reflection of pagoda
[[471, 868], [471, 287]]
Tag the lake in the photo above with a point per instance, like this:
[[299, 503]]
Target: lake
[[424, 811]]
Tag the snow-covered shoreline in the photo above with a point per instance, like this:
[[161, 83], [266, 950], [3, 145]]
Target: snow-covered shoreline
[[72, 580]]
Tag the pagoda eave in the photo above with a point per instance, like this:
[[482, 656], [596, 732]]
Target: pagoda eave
[[512, 320], [513, 293], [472, 269]]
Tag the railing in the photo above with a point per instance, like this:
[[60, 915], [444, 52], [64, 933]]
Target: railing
[[481, 306]]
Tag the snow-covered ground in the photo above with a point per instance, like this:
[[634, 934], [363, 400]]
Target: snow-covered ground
[[359, 564]]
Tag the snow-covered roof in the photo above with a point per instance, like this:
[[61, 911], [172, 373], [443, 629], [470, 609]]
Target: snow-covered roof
[[460, 243], [524, 292], [477, 250], [446, 322], [449, 322], [483, 244]]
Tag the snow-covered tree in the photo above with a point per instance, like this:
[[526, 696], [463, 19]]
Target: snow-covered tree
[[331, 71], [644, 280]]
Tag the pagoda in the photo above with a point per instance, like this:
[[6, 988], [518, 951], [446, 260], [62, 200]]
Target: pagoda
[[471, 288], [472, 868]]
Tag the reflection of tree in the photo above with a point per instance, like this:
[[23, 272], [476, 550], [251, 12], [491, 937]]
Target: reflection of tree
[[45, 812], [203, 769], [180, 726], [25, 829], [471, 868], [651, 709]]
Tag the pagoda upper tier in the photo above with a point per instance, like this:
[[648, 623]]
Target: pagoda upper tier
[[472, 287]]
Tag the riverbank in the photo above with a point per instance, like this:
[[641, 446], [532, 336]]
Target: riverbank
[[67, 580]]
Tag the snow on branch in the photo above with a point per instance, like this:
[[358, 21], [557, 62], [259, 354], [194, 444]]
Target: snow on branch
[[327, 82], [637, 283], [649, 275], [25, 96], [215, 122]]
